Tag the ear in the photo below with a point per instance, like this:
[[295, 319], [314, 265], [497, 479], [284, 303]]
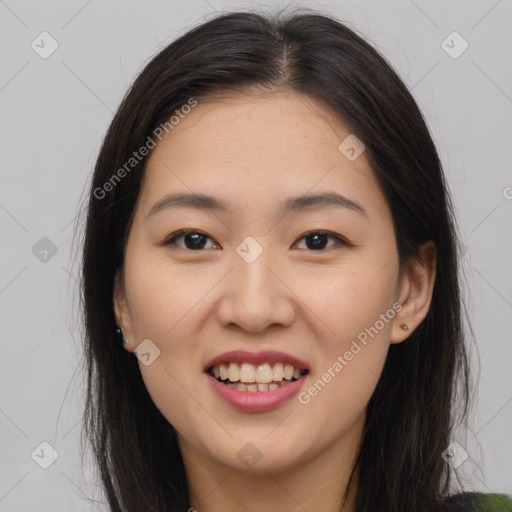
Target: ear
[[415, 292], [121, 310]]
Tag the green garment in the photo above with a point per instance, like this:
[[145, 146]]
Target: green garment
[[478, 502]]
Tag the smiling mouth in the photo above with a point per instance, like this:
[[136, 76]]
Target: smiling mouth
[[249, 377]]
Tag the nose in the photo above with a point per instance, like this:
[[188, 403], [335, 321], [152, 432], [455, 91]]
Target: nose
[[256, 296]]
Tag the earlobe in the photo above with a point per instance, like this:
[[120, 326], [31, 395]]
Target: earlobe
[[121, 311], [415, 295]]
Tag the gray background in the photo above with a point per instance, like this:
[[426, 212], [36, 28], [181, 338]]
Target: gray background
[[54, 113]]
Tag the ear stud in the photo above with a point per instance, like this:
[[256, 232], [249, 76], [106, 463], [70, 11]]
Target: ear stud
[[121, 334], [404, 327]]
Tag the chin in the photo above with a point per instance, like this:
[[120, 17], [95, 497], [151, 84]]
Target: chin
[[256, 454]]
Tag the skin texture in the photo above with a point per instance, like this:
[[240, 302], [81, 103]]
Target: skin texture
[[254, 151]]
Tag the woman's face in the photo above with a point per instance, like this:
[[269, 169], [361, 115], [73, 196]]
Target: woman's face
[[258, 280]]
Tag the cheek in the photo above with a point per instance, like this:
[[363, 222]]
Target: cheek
[[359, 315], [334, 401], [163, 307], [354, 322], [164, 301], [161, 295], [347, 300]]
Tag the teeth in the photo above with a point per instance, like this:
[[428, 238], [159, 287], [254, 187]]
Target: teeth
[[233, 372], [223, 371], [266, 374], [278, 372], [247, 373], [256, 387]]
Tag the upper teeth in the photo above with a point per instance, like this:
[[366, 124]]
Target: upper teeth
[[263, 373]]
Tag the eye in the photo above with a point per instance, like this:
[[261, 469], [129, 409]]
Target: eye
[[318, 239], [194, 239]]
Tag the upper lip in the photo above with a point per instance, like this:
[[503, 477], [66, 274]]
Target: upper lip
[[257, 358]]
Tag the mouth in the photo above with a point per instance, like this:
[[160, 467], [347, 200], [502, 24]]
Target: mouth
[[253, 378], [256, 382]]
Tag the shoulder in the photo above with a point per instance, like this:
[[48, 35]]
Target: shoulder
[[478, 502]]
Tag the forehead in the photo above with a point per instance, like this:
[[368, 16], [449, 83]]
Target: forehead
[[280, 124], [255, 147]]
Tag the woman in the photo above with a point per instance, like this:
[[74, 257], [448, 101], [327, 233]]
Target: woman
[[270, 234]]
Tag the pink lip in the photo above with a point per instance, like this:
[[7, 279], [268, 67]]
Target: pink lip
[[256, 401], [256, 358]]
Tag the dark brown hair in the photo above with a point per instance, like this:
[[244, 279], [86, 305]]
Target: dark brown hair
[[412, 411]]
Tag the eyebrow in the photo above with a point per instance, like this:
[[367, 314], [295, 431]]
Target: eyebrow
[[292, 204]]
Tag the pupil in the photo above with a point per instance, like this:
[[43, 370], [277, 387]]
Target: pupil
[[196, 237], [319, 241]]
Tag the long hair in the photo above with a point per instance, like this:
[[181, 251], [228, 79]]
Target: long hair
[[412, 411]]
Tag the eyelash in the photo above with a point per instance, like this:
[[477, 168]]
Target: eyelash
[[179, 234]]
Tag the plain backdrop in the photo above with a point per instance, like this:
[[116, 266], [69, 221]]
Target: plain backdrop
[[54, 112]]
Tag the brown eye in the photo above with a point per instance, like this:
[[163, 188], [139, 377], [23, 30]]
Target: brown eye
[[193, 240], [317, 240]]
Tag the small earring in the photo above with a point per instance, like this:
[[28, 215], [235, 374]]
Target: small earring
[[121, 334], [404, 327]]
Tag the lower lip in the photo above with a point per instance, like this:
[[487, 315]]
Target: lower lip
[[256, 401]]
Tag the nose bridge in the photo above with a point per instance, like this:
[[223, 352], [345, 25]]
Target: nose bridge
[[253, 280], [253, 273]]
